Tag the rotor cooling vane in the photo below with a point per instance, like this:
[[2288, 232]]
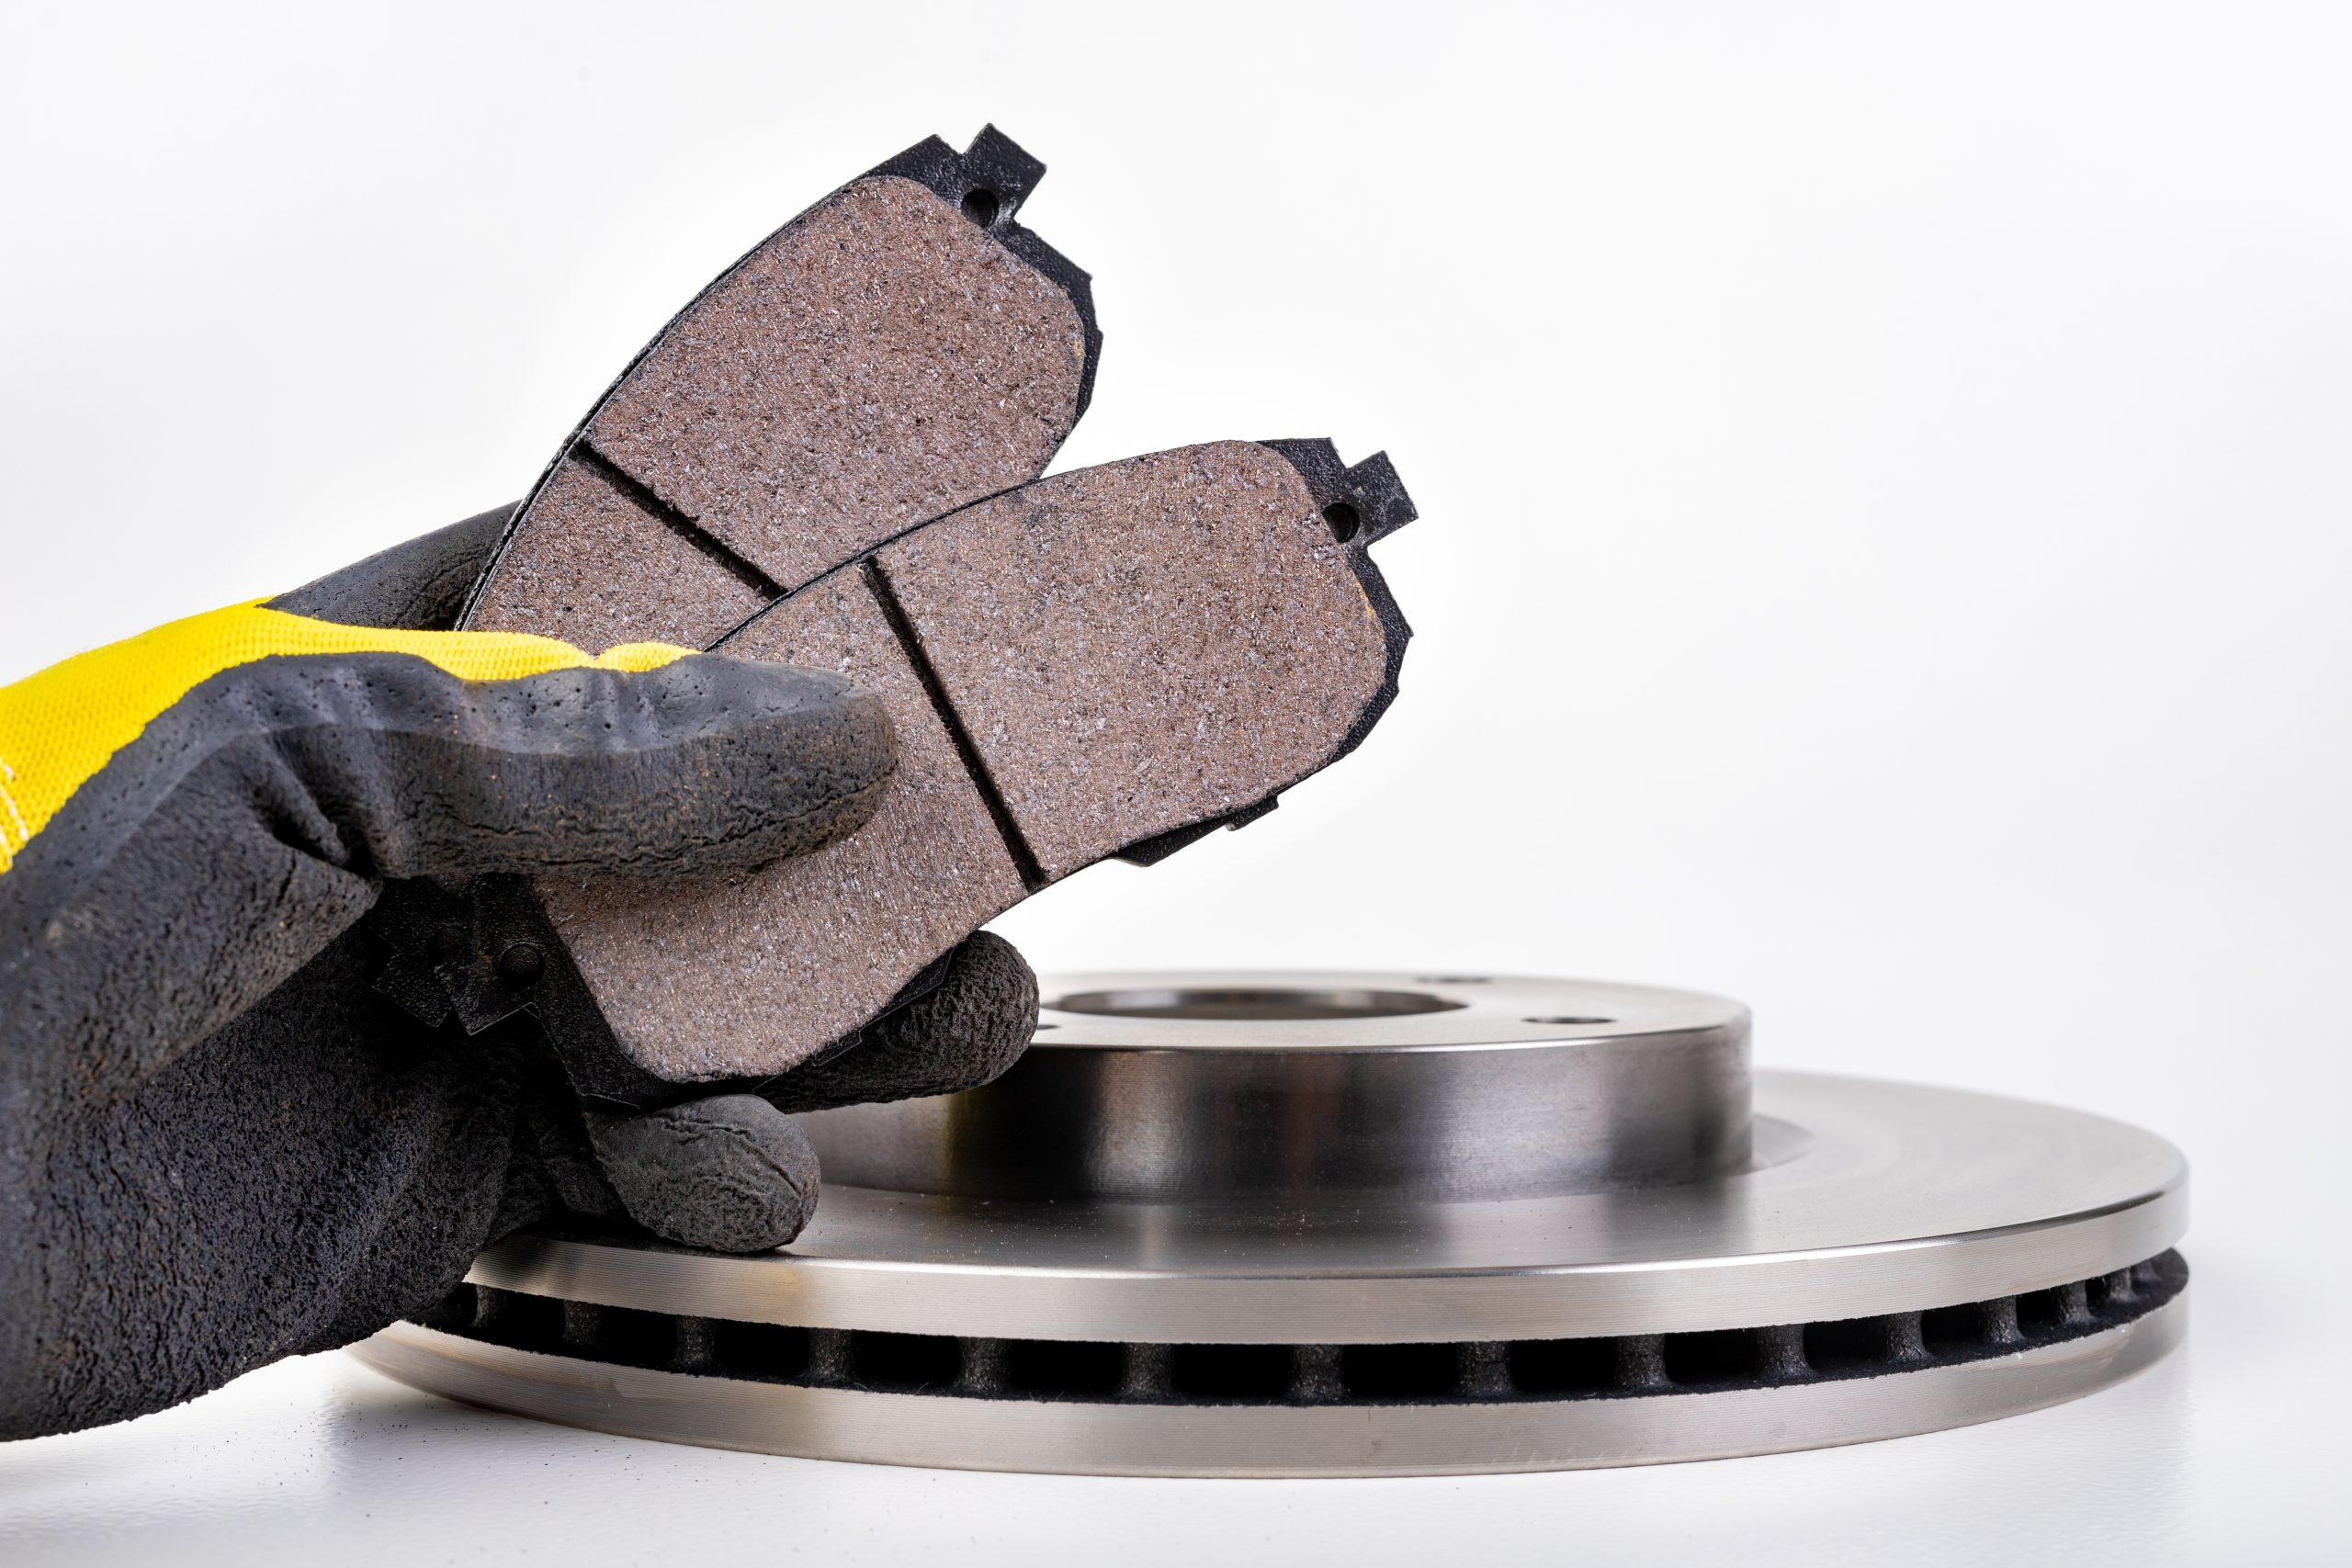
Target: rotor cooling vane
[[1358, 1225]]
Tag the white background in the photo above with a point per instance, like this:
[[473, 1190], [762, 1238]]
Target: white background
[[1885, 479]]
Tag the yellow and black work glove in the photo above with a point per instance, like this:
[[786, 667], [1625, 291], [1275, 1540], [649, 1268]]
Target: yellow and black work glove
[[230, 1129]]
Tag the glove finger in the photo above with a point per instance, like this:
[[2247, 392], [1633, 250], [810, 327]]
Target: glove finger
[[730, 1173], [962, 1034], [705, 766]]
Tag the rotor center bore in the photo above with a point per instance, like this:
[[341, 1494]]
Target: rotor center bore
[[1251, 1004], [1306, 1089]]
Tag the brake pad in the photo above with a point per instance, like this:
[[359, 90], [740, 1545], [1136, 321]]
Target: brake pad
[[903, 348], [1110, 661]]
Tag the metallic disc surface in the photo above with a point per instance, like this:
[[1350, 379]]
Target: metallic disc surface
[[1331, 1223], [1865, 1197]]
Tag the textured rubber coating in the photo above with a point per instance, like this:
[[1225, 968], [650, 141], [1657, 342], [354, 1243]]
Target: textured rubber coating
[[218, 1144], [730, 1173]]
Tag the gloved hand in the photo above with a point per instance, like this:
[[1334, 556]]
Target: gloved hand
[[220, 1141]]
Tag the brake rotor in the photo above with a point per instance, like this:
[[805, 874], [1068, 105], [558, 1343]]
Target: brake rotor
[[1358, 1224]]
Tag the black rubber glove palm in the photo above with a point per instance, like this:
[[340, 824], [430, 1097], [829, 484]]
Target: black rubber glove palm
[[222, 1143]]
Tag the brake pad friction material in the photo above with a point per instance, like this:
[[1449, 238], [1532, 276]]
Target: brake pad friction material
[[1108, 658], [899, 350]]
